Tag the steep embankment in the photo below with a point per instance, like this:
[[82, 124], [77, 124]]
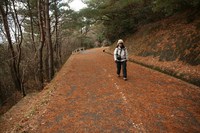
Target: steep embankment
[[171, 45]]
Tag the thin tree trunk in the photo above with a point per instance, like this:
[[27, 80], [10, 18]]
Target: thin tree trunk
[[56, 30], [57, 44], [60, 54], [49, 42], [14, 73], [20, 38], [31, 28], [42, 39]]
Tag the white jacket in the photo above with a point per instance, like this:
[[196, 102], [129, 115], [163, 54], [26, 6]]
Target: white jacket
[[121, 52]]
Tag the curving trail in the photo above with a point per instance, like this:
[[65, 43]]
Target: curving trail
[[89, 97]]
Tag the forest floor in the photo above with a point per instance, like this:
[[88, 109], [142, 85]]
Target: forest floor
[[87, 96]]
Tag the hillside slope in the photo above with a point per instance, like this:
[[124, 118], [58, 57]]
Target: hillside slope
[[171, 45]]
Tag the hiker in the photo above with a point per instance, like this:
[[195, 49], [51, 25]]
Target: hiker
[[121, 57]]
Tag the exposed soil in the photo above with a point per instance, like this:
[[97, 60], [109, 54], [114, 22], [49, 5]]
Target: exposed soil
[[87, 96]]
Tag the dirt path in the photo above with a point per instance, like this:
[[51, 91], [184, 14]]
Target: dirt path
[[87, 96]]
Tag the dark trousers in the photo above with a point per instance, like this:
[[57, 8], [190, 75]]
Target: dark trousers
[[123, 65]]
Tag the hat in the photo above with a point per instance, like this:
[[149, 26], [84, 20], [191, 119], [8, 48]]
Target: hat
[[120, 41]]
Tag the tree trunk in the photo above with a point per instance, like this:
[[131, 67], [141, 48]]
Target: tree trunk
[[57, 44], [42, 38], [56, 30], [31, 24], [20, 39], [48, 41]]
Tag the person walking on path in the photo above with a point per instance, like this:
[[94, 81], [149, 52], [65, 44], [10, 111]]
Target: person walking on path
[[121, 57]]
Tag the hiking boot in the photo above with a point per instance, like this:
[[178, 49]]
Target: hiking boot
[[125, 79]]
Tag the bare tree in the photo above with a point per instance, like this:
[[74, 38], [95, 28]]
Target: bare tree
[[19, 43], [13, 57]]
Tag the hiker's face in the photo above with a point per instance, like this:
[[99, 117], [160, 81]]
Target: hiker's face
[[120, 44]]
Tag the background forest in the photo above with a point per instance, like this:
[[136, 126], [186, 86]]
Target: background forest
[[38, 36]]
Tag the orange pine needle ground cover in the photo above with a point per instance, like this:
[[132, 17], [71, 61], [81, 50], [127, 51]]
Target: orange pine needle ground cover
[[87, 96]]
